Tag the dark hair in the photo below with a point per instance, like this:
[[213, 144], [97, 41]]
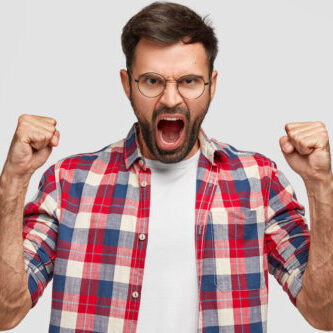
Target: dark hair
[[168, 23]]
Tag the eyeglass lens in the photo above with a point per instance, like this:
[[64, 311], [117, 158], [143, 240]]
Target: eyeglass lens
[[153, 84]]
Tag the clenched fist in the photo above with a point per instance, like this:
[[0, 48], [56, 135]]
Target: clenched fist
[[32, 144], [306, 149]]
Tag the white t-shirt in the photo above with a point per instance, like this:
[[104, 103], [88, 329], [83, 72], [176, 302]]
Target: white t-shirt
[[169, 297]]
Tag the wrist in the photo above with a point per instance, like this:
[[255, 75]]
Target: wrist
[[317, 186], [10, 179]]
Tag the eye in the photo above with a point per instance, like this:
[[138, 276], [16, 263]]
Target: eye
[[189, 81], [151, 81]]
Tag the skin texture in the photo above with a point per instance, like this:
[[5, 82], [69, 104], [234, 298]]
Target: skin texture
[[30, 148], [172, 62], [307, 151]]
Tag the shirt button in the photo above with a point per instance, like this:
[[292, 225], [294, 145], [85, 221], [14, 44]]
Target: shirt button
[[144, 183], [135, 294], [142, 236]]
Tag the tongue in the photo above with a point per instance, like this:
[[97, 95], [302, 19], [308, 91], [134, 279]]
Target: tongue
[[170, 129]]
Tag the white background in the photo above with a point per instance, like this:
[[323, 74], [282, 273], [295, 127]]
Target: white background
[[62, 59]]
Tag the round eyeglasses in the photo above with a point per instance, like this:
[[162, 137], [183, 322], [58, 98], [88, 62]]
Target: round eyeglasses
[[189, 86]]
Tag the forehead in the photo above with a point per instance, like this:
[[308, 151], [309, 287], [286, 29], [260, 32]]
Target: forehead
[[170, 60]]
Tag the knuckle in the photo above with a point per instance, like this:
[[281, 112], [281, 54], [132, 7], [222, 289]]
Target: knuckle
[[292, 134], [53, 121], [49, 129], [42, 138], [48, 136], [38, 136], [287, 127], [324, 133], [23, 117], [302, 142], [22, 129], [50, 125], [49, 121]]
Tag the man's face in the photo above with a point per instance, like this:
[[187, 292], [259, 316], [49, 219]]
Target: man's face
[[169, 124]]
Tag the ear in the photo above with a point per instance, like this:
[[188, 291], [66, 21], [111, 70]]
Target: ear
[[213, 84], [125, 82]]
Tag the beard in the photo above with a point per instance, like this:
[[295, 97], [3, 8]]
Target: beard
[[191, 130]]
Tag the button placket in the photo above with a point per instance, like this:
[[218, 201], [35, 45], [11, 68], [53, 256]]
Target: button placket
[[143, 183], [142, 236], [135, 294]]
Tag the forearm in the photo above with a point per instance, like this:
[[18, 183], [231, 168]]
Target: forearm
[[315, 301], [15, 300]]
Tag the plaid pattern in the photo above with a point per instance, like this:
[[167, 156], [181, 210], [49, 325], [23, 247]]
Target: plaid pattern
[[82, 229]]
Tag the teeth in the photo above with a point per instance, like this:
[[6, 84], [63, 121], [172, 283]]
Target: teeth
[[166, 143], [171, 119]]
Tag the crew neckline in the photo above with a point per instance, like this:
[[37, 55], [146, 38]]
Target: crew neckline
[[156, 164]]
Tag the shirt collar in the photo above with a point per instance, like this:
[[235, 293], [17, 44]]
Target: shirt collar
[[211, 150]]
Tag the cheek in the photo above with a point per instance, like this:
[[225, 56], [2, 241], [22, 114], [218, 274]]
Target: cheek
[[197, 109], [144, 107]]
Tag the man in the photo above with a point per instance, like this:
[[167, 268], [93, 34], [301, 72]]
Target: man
[[117, 229]]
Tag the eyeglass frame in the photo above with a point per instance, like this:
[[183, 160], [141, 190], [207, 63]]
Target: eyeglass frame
[[169, 80]]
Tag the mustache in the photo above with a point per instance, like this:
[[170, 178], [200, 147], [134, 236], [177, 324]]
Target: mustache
[[175, 110]]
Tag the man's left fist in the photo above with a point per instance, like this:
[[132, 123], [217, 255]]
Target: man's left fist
[[306, 149]]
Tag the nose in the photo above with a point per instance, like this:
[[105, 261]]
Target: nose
[[171, 96]]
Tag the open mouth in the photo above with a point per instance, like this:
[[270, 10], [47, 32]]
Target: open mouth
[[170, 131]]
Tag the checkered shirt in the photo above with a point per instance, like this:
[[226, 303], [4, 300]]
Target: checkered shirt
[[85, 226]]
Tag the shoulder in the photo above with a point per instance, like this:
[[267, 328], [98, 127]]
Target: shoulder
[[243, 158], [101, 158]]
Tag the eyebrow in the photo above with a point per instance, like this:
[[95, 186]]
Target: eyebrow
[[181, 76]]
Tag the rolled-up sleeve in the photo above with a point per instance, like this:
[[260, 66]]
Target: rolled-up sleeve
[[40, 228], [287, 236]]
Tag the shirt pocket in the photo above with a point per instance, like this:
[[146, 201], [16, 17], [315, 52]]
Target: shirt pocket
[[237, 239]]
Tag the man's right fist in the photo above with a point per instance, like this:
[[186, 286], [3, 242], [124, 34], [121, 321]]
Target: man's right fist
[[31, 145]]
